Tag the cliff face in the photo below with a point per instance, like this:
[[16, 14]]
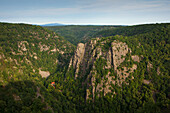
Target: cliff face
[[78, 57], [110, 57]]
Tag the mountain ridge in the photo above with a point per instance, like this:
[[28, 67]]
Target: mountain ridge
[[52, 24]]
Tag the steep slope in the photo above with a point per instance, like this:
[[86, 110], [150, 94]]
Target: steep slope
[[26, 47], [131, 72], [101, 65], [28, 55], [112, 74]]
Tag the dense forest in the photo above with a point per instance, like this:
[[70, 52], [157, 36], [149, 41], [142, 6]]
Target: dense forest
[[78, 33], [27, 50]]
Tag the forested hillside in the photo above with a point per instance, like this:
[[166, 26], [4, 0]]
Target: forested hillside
[[130, 30], [28, 55], [77, 33], [123, 70], [126, 73]]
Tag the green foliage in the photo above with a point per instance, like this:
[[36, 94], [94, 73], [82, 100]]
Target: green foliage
[[24, 90], [76, 33], [99, 67]]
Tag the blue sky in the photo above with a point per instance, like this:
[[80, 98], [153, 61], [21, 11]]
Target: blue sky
[[103, 12]]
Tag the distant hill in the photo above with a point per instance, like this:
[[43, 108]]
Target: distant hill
[[78, 33], [53, 24]]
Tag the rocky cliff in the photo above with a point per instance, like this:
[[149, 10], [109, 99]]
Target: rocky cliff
[[102, 64]]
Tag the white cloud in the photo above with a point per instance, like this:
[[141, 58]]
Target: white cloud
[[147, 6], [91, 11]]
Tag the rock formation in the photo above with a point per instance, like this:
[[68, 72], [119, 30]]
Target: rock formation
[[85, 57], [78, 57], [44, 74]]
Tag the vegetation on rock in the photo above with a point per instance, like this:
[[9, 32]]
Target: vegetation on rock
[[125, 70]]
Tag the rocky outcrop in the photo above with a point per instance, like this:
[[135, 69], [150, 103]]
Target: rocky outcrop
[[146, 81], [119, 51], [2, 56], [85, 57], [44, 74], [22, 45], [136, 58], [54, 50], [78, 57], [36, 57], [158, 71], [149, 66], [43, 47], [27, 61], [22, 50]]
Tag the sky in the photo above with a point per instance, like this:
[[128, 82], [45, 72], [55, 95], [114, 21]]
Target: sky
[[85, 12]]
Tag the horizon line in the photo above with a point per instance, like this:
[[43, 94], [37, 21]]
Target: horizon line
[[102, 24]]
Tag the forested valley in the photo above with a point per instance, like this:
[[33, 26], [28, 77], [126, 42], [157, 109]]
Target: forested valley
[[80, 69]]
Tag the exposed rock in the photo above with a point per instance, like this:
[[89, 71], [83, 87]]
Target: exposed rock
[[136, 58], [34, 53], [109, 59], [60, 51], [146, 81], [85, 57], [14, 67], [44, 74], [108, 83], [16, 97], [27, 61], [149, 66], [71, 63], [22, 50], [158, 71], [119, 50], [87, 94], [43, 47], [6, 60], [99, 52], [2, 56], [32, 44], [123, 74], [36, 57], [56, 36], [22, 46], [53, 50], [10, 59], [30, 55], [56, 61], [48, 35], [79, 54], [139, 44], [93, 80]]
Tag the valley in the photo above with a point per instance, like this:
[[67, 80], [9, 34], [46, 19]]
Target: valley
[[80, 69]]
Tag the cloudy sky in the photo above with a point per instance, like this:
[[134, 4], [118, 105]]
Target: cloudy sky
[[103, 12]]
